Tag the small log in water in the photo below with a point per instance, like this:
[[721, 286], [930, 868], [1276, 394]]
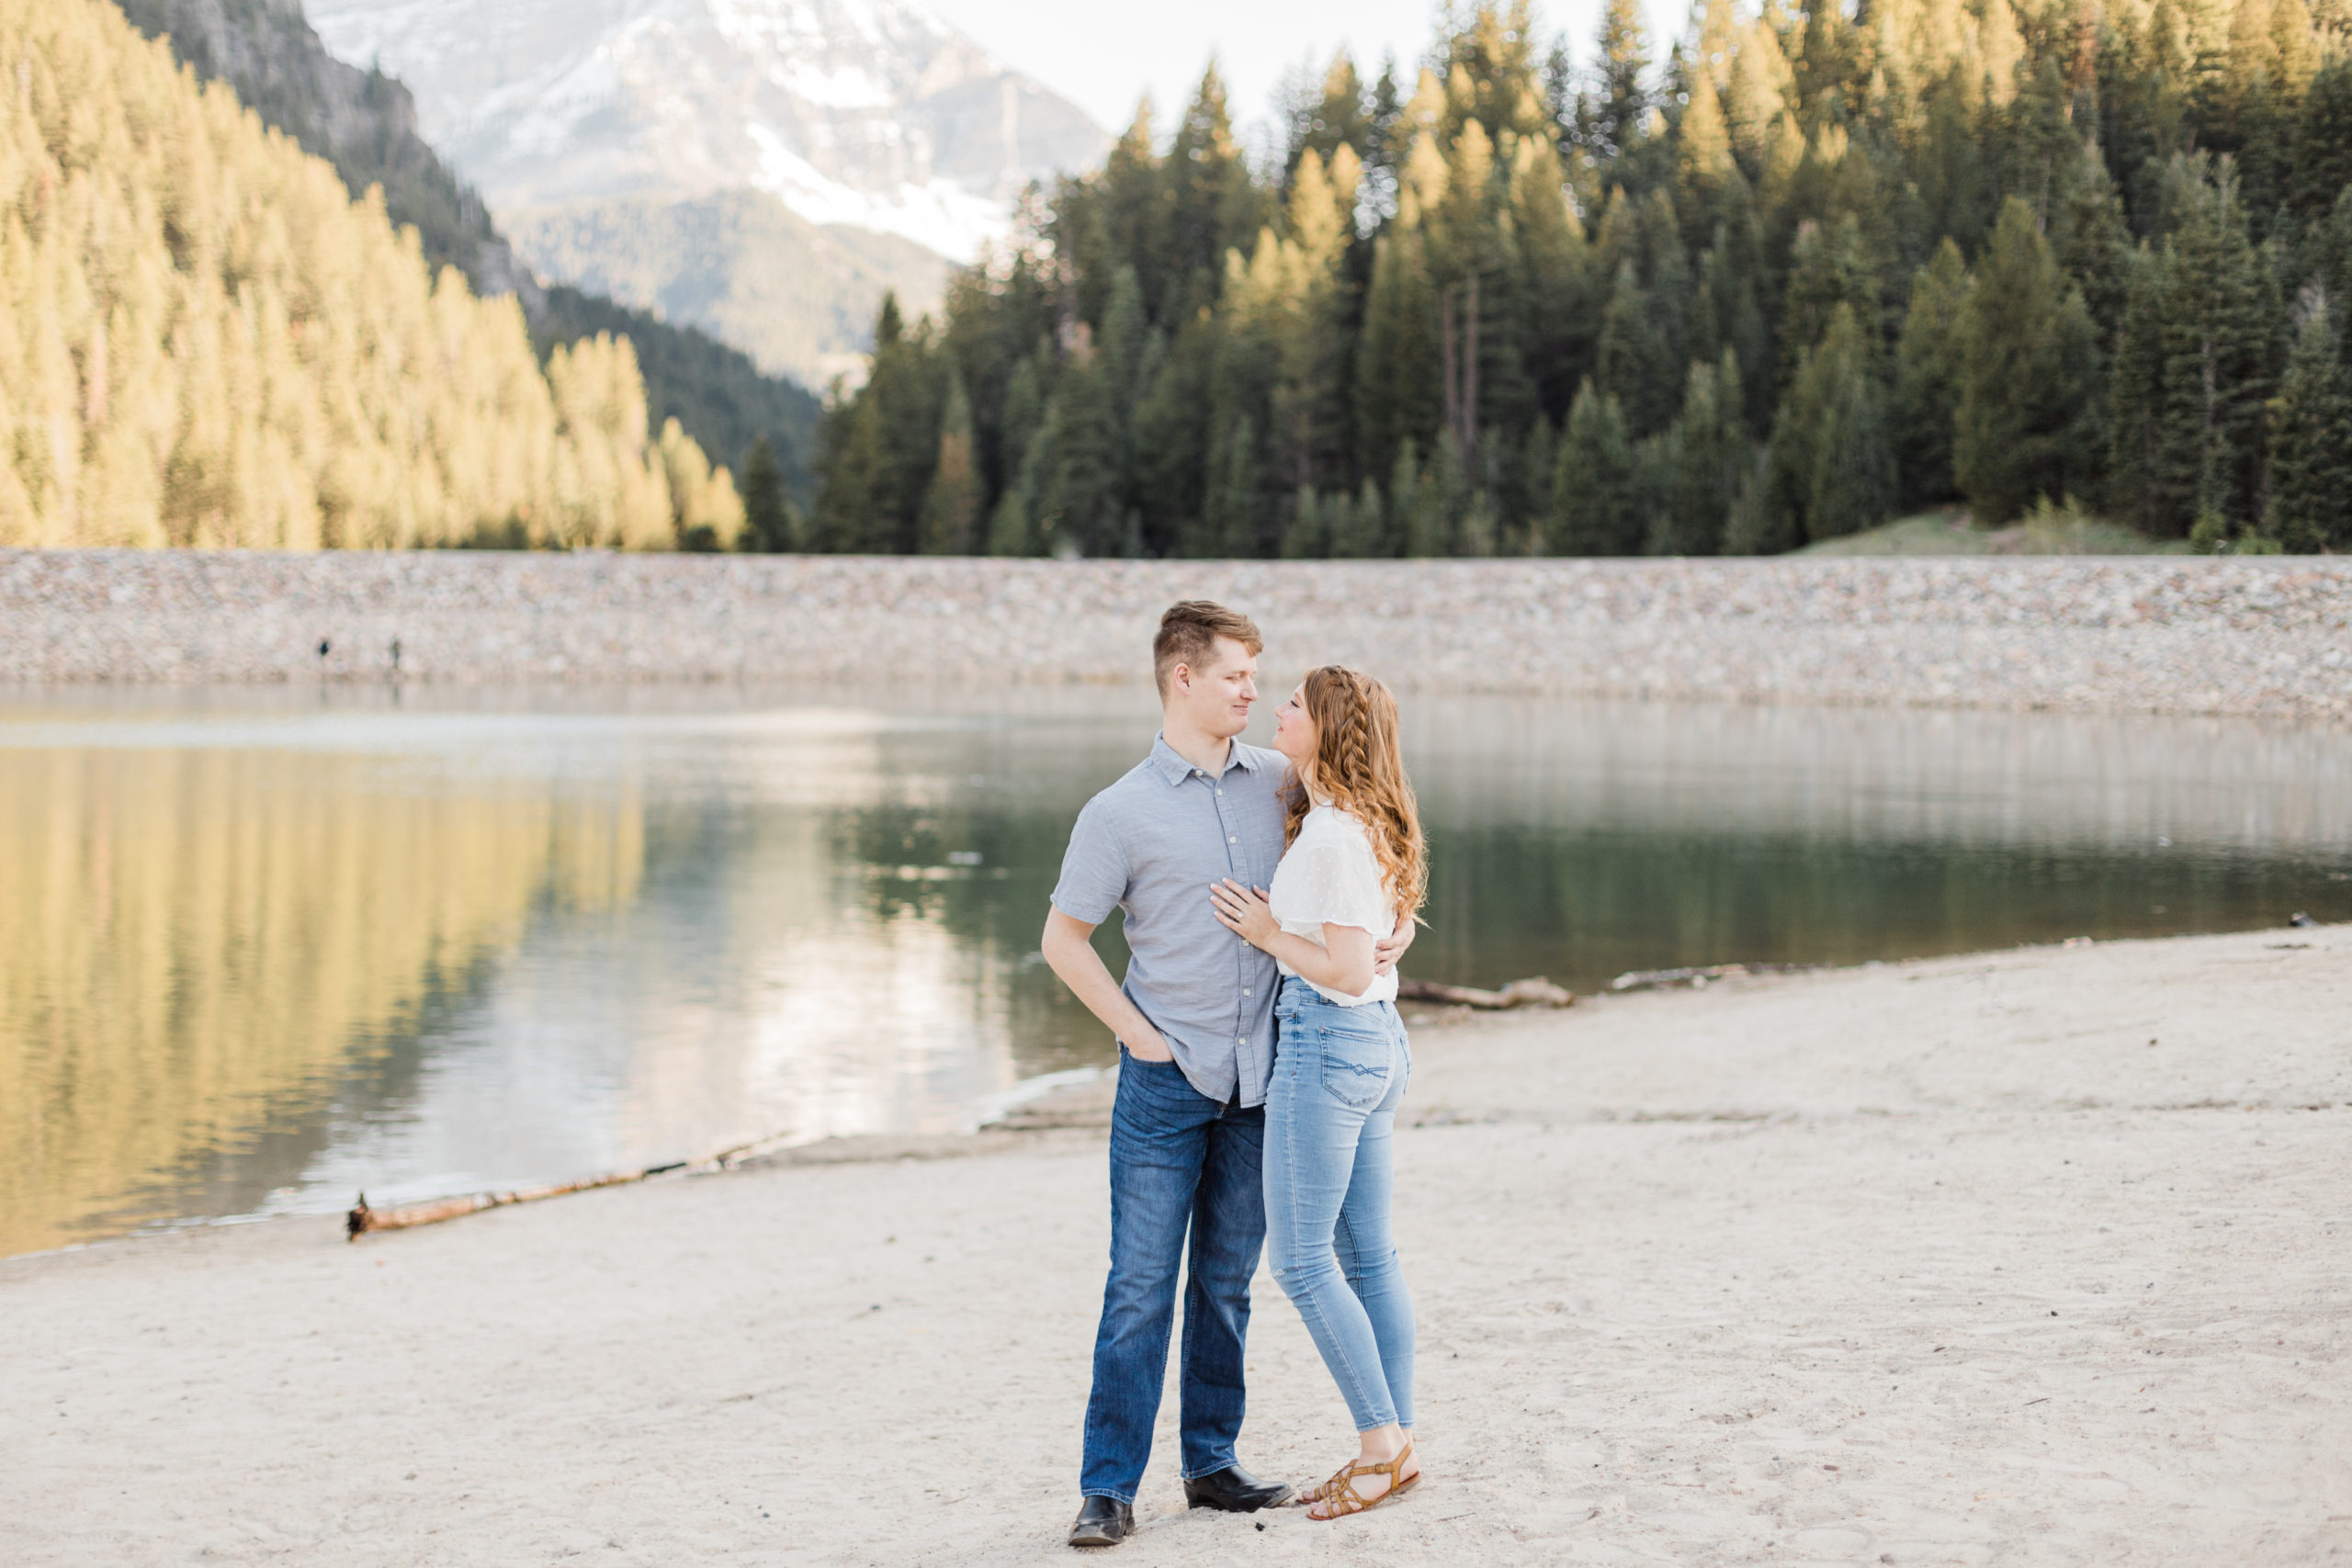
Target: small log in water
[[1537, 992]]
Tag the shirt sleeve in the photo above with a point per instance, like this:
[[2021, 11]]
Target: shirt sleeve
[[1338, 884], [1094, 869]]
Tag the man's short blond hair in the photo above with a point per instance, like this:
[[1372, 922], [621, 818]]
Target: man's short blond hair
[[1188, 632]]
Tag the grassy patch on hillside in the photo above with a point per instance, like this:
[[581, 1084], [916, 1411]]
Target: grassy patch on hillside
[[2046, 530]]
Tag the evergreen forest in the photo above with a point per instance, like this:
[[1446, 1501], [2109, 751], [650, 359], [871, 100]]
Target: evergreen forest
[[205, 341], [1799, 272]]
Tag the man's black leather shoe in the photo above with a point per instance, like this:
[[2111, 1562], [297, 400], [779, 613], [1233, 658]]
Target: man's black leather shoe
[[1234, 1490], [1103, 1521]]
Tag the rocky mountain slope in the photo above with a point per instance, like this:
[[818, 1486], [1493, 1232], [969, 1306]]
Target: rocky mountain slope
[[361, 122], [851, 120], [791, 293]]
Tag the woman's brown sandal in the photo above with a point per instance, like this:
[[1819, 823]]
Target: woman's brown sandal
[[1339, 1495], [1315, 1492]]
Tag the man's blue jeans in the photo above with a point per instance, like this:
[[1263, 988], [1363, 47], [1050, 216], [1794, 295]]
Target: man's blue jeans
[[1179, 1161]]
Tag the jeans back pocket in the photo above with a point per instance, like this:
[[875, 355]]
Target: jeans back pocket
[[1357, 1057]]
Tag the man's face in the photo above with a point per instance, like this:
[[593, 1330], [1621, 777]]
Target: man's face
[[1217, 697]]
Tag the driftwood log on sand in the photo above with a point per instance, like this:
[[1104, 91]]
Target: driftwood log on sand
[[1535, 993], [363, 1218]]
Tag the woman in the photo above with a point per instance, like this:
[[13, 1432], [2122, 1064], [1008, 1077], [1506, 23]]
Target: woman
[[1355, 860]]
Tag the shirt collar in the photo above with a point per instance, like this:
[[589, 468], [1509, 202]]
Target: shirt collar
[[1175, 769]]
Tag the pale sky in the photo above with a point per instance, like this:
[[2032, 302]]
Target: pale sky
[[1104, 56]]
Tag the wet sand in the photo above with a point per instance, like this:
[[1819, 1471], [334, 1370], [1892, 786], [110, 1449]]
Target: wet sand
[[2027, 1258]]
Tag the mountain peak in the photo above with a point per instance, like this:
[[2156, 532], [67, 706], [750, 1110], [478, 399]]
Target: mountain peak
[[875, 113]]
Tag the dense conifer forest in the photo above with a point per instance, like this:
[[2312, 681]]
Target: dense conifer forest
[[205, 341], [1807, 270]]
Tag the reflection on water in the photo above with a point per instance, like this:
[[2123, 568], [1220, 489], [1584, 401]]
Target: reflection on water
[[1584, 841], [260, 950], [196, 945]]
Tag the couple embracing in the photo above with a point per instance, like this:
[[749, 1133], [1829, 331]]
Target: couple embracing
[[1268, 895]]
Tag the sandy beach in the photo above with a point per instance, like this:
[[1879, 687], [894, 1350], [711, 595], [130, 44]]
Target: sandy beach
[[2035, 1257]]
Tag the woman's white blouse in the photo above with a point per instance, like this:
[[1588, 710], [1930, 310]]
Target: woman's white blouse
[[1330, 875]]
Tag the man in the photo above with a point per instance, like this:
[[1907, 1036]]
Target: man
[[1194, 1022]]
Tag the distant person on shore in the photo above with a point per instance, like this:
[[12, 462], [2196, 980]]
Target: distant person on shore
[[1354, 869], [1194, 1022]]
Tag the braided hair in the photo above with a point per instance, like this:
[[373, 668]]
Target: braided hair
[[1358, 769]]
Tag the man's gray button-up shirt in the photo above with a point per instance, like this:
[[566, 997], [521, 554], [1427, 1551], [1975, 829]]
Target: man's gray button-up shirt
[[1151, 844]]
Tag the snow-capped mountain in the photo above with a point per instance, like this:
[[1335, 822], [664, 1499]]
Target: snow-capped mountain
[[870, 113]]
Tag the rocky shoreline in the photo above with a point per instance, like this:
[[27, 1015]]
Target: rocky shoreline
[[2262, 637]]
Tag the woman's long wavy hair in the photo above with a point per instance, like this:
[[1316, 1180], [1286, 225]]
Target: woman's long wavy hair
[[1358, 769]]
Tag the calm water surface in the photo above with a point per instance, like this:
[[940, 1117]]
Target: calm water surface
[[260, 950]]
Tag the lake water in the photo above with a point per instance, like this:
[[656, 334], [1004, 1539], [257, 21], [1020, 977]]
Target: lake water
[[259, 950]]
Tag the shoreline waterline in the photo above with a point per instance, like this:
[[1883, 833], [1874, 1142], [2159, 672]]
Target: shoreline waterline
[[1049, 1109]]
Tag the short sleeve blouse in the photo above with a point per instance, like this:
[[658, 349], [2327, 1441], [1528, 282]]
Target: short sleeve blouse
[[1330, 876]]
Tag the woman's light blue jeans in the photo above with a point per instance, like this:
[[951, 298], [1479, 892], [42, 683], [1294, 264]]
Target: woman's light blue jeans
[[1339, 1074]]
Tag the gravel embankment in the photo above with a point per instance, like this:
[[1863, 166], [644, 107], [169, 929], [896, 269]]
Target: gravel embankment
[[2171, 634]]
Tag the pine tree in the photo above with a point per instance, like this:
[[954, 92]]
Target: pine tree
[[2320, 160], [1760, 86], [1013, 525], [2330, 264], [1832, 465], [1595, 501], [1208, 198], [1635, 365], [1620, 89], [1702, 154], [2196, 361], [2139, 480], [1025, 413], [1363, 531], [1234, 510], [1829, 268], [2026, 422], [2093, 244], [1554, 334], [767, 514], [1730, 314], [1416, 510], [1709, 461], [1927, 378], [1397, 365], [1336, 113], [1171, 445], [1084, 507], [706, 513], [2311, 438], [1526, 502], [951, 508], [1308, 534]]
